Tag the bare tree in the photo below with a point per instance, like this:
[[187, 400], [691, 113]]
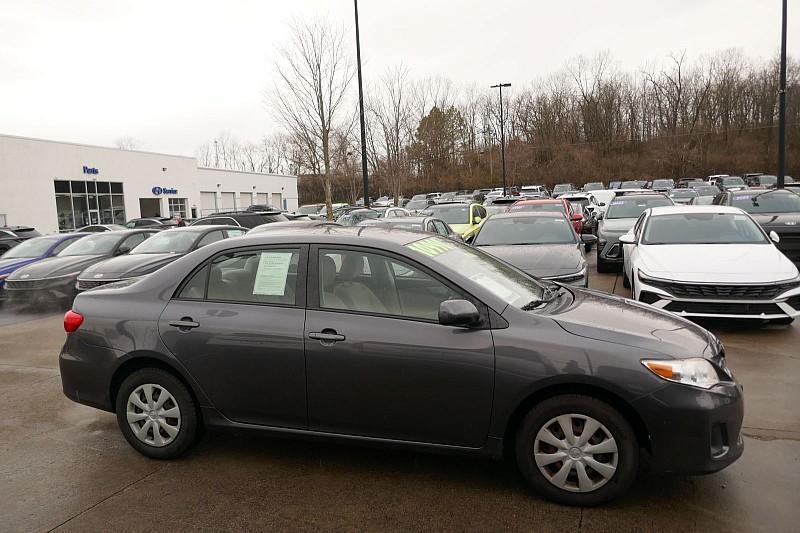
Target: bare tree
[[126, 142], [314, 71]]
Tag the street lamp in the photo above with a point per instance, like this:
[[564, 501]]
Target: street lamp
[[361, 112], [782, 107], [502, 131]]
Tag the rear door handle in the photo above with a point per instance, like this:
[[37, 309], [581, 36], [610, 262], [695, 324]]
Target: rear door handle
[[184, 324], [326, 337]]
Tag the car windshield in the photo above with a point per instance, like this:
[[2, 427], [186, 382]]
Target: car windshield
[[774, 201], [712, 190], [99, 244], [593, 186], [308, 210], [495, 208], [550, 207], [501, 279], [562, 187], [579, 203], [702, 228], [732, 181], [414, 205], [35, 247], [633, 206], [659, 184], [168, 242], [631, 184], [452, 214], [682, 193], [522, 230]]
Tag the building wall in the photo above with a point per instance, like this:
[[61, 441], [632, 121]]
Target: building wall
[[28, 168]]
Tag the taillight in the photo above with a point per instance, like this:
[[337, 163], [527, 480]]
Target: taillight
[[72, 321]]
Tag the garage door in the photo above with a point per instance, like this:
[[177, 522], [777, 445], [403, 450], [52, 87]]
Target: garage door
[[245, 200], [207, 204], [227, 203], [262, 198], [277, 201]]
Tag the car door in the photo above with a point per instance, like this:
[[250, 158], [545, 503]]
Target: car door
[[630, 251], [380, 365], [236, 325]]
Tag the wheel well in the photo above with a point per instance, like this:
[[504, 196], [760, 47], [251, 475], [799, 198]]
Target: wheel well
[[137, 363], [630, 415]]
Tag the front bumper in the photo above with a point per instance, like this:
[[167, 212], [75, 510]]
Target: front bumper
[[784, 306], [609, 249], [42, 291], [692, 430]]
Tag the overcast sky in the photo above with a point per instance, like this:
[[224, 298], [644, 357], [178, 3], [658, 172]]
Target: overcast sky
[[174, 73]]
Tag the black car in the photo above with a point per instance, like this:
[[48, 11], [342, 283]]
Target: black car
[[10, 236], [403, 339], [159, 223], [53, 280], [154, 253], [541, 243], [244, 219], [261, 208], [663, 185], [421, 223], [775, 210]]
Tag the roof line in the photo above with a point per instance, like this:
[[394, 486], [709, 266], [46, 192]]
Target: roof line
[[247, 172], [20, 137]]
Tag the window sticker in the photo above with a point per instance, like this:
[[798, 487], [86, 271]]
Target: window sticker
[[273, 269], [432, 246]]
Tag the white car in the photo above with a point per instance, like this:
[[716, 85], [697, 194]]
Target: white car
[[709, 262]]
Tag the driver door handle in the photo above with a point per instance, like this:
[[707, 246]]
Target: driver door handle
[[326, 337], [184, 324]]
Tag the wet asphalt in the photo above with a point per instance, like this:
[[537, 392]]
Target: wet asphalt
[[66, 467]]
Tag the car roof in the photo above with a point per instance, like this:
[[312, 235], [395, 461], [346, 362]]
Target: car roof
[[540, 201], [370, 236], [528, 214], [681, 209], [202, 228]]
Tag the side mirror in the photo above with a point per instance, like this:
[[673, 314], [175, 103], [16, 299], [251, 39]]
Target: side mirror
[[122, 250], [477, 220], [628, 238], [461, 313], [602, 204], [774, 237], [588, 238]]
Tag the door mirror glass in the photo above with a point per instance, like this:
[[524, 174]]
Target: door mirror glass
[[588, 238], [458, 313], [628, 238], [774, 237], [602, 204]]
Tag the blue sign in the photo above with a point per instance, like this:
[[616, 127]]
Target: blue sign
[[158, 191], [90, 170]]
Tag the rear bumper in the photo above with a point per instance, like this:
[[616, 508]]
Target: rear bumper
[[693, 431], [86, 372]]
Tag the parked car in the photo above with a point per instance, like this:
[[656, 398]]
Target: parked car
[[701, 200], [663, 185], [585, 205], [262, 208], [706, 190], [710, 262], [416, 205], [11, 236], [775, 210], [541, 244], [152, 254], [392, 212], [53, 280], [532, 192], [593, 186], [354, 217], [99, 228], [243, 219], [555, 205], [633, 184], [562, 188], [160, 223], [424, 224], [461, 352], [765, 180], [620, 217], [687, 183], [682, 196], [464, 219], [31, 251], [614, 184], [311, 209], [728, 183]]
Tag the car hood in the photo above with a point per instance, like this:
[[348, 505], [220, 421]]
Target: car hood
[[540, 260], [128, 266], [721, 263], [54, 267], [778, 220], [606, 317], [8, 266], [618, 225]]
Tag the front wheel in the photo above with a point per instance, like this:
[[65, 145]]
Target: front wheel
[[577, 450], [156, 413]]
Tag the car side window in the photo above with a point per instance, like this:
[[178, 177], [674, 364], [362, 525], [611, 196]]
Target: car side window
[[719, 199], [210, 237], [481, 211], [255, 276], [234, 232], [441, 229], [430, 227], [133, 241], [63, 244], [637, 228], [388, 287]]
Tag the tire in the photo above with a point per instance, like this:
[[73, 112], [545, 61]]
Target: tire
[[184, 426], [613, 432], [625, 281], [603, 267]]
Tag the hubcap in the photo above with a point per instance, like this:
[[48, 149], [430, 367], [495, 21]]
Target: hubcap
[[153, 415], [576, 453]]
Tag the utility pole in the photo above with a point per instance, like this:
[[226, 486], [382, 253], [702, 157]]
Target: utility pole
[[502, 131], [782, 106], [361, 112]]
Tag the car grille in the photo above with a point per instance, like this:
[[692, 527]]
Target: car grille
[[85, 285], [794, 301], [734, 292], [27, 285], [714, 308]]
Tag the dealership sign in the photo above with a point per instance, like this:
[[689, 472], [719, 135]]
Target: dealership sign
[[90, 170], [158, 191]]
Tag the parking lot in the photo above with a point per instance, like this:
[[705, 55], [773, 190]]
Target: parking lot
[[64, 466]]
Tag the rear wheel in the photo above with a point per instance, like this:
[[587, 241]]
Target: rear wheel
[[577, 450], [156, 413]]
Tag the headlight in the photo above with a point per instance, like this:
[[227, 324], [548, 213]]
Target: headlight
[[3, 276], [697, 372]]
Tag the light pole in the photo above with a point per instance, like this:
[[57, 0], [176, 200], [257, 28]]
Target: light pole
[[361, 112], [502, 131], [782, 106]]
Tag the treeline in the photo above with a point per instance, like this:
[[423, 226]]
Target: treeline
[[590, 121]]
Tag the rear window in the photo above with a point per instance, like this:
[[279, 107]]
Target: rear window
[[633, 206]]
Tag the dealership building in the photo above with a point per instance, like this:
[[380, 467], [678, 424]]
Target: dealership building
[[57, 186]]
